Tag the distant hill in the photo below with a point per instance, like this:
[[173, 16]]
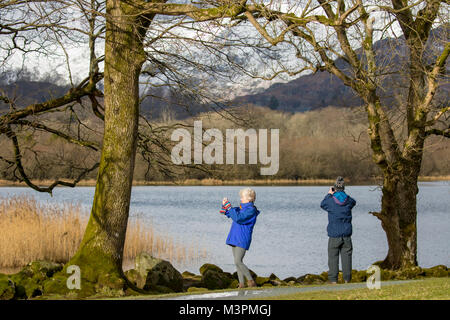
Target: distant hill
[[25, 92], [305, 93], [323, 89]]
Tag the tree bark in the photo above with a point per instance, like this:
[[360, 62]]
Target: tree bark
[[101, 251], [398, 219]]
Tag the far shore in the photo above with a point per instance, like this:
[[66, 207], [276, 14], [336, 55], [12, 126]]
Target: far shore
[[217, 182]]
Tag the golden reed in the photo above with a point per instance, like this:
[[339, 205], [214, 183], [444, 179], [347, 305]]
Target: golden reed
[[31, 230]]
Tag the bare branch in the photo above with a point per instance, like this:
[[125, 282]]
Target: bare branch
[[24, 176], [445, 133]]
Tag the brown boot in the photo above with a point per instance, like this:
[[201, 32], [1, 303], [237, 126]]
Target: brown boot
[[241, 285], [251, 283]]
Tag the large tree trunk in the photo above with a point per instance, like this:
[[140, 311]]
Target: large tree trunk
[[399, 220], [401, 170], [101, 251]]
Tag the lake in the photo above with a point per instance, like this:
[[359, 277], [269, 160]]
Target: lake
[[289, 238]]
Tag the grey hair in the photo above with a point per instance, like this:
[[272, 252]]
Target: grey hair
[[248, 194]]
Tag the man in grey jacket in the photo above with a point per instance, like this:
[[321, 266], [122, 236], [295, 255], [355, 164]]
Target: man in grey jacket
[[339, 207]]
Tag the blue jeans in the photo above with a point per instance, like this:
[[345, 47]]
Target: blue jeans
[[340, 246]]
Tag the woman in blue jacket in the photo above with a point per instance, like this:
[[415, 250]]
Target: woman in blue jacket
[[240, 235]]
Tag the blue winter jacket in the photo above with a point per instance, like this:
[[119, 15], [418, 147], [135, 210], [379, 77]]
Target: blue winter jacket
[[339, 206], [244, 219]]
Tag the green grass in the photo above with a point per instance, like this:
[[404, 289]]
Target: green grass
[[427, 289]]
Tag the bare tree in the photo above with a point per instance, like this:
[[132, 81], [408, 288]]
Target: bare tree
[[323, 31], [127, 30], [34, 29]]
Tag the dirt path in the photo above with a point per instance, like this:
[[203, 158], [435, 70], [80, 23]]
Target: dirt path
[[262, 293]]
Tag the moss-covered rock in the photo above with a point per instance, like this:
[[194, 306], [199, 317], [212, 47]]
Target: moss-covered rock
[[214, 277], [260, 281], [191, 280], [112, 282], [359, 276], [387, 275], [187, 274], [409, 273], [210, 267], [436, 271], [43, 269], [57, 285], [324, 276], [131, 292], [274, 280], [162, 289], [135, 278], [214, 280], [234, 284], [310, 279], [7, 289], [30, 280], [278, 282], [157, 272], [289, 279], [4, 276], [273, 276]]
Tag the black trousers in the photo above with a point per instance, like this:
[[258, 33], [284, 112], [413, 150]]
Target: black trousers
[[340, 246]]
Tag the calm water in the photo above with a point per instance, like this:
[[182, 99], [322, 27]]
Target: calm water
[[290, 236]]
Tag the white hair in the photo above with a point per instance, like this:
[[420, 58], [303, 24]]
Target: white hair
[[248, 194]]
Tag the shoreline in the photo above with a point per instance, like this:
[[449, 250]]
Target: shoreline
[[217, 182], [211, 279]]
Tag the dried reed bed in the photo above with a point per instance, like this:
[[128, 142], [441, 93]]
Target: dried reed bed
[[434, 178], [218, 182], [33, 230]]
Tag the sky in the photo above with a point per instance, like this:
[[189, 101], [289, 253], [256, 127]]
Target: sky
[[69, 56]]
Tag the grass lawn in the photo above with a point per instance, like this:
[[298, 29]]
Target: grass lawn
[[427, 289]]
